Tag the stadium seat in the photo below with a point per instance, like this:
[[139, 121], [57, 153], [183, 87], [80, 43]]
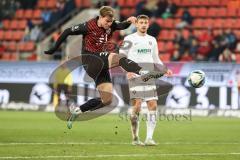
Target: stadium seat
[[229, 23], [202, 12], [165, 57], [1, 35], [169, 46], [231, 12], [218, 23], [37, 14], [238, 58], [14, 56], [8, 35], [18, 35], [193, 11], [29, 46], [22, 24], [13, 24], [209, 22], [212, 12], [12, 47], [198, 23], [6, 57], [161, 46], [213, 3], [41, 3], [221, 12], [164, 35], [179, 13], [168, 23], [6, 24], [28, 14], [19, 13], [51, 4]]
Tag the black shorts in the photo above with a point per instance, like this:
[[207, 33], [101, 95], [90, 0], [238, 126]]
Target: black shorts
[[96, 66]]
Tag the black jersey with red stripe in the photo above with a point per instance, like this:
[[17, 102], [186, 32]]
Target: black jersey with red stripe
[[95, 38]]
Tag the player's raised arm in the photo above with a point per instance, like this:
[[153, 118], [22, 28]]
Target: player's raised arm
[[74, 30], [125, 24]]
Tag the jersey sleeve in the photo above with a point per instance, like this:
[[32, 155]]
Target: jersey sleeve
[[125, 47], [120, 25], [79, 29]]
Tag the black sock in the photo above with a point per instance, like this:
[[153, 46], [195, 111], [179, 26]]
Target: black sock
[[129, 65], [92, 105]]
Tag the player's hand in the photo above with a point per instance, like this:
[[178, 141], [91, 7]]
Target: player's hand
[[131, 75], [132, 19], [50, 51], [169, 73]]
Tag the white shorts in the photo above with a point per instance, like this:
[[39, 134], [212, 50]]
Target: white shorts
[[144, 90]]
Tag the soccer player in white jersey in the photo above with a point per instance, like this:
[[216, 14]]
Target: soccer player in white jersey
[[143, 50]]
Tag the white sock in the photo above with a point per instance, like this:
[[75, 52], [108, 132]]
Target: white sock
[[151, 123], [135, 126]]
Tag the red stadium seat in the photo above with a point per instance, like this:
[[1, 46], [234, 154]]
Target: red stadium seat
[[8, 35], [1, 35], [164, 35], [218, 23], [86, 4], [29, 46], [37, 14], [6, 56], [193, 12], [168, 23], [161, 46], [222, 12], [231, 12], [209, 22], [212, 12], [13, 24], [28, 14], [169, 46], [22, 24], [12, 47], [6, 24], [18, 35], [41, 3], [202, 12], [213, 2], [19, 14], [51, 4], [238, 58], [198, 23], [179, 13], [159, 21], [229, 23], [165, 57], [14, 56]]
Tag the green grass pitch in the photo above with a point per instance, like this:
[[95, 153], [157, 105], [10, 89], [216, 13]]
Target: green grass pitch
[[39, 135]]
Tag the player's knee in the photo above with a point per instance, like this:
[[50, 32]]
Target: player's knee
[[152, 105], [107, 101]]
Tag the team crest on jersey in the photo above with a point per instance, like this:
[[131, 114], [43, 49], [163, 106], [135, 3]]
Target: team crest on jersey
[[108, 31]]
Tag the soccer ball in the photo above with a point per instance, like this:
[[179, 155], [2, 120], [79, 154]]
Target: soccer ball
[[196, 78]]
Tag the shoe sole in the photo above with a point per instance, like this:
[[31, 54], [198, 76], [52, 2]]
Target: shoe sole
[[152, 74]]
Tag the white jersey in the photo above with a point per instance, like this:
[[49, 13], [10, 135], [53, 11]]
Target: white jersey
[[143, 49]]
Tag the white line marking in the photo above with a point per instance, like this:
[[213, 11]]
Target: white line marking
[[121, 155], [115, 143]]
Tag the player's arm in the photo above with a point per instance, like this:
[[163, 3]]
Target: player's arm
[[75, 30], [125, 24], [158, 63]]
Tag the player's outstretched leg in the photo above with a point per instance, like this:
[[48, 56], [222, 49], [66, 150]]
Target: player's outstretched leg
[[105, 91], [131, 66]]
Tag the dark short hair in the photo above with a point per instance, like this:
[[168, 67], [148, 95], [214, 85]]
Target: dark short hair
[[106, 11], [142, 16]]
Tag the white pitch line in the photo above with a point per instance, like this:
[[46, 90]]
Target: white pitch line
[[115, 143], [121, 155]]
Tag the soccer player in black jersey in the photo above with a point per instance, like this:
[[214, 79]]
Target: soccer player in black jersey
[[97, 60]]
